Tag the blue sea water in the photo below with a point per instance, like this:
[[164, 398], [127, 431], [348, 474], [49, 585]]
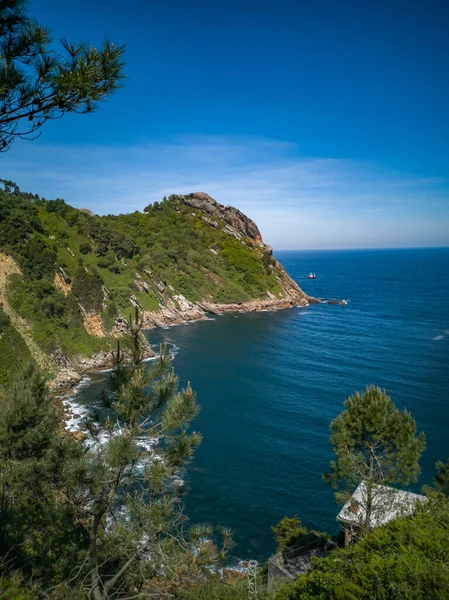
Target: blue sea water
[[270, 383]]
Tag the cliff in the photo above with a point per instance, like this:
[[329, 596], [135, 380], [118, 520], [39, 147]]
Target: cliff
[[69, 279], [236, 223]]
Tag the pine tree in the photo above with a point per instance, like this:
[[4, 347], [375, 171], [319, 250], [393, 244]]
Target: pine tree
[[442, 477], [38, 84], [105, 519], [37, 528], [134, 513], [373, 443]]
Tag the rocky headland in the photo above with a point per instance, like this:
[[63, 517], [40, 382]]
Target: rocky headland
[[196, 257]]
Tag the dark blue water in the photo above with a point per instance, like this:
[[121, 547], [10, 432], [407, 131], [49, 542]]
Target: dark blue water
[[270, 383]]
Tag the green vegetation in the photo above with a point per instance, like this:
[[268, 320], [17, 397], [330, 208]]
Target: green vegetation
[[104, 265], [13, 350], [56, 321], [442, 477], [38, 83], [288, 532], [87, 287], [407, 559], [106, 522], [375, 443]]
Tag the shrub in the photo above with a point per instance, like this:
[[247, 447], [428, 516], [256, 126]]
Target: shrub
[[85, 248], [87, 287], [288, 532]]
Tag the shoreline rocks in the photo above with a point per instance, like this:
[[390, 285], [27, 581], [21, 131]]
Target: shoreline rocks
[[69, 376]]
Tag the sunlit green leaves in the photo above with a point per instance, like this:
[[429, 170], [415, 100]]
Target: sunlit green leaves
[[38, 83]]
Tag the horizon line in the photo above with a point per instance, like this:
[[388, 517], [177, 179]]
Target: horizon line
[[361, 248]]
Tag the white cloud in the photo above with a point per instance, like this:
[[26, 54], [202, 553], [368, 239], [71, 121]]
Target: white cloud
[[298, 201]]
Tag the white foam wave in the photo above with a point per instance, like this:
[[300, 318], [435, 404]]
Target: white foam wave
[[150, 358], [439, 337], [77, 413], [174, 350]]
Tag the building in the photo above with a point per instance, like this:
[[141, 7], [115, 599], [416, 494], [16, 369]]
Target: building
[[387, 504]]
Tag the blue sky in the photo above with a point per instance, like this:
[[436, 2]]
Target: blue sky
[[327, 122]]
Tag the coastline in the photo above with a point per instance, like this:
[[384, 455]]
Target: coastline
[[68, 377]]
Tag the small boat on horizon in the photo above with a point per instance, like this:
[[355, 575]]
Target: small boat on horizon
[[311, 276]]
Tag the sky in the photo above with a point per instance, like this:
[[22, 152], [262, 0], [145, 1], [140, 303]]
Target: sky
[[326, 122]]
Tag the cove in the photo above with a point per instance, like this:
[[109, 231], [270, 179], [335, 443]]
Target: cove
[[269, 384]]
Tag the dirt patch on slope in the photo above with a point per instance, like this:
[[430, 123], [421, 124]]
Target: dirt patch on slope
[[93, 324]]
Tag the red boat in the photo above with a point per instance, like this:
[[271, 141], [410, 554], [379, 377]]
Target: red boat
[[311, 276]]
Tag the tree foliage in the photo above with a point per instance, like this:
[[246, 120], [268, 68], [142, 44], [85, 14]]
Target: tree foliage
[[38, 84], [37, 527], [104, 520], [288, 532], [134, 509], [375, 443], [442, 477]]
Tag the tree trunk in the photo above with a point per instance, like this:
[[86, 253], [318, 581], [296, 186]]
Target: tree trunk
[[93, 562], [369, 494]]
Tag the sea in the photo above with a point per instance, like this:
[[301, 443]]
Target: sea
[[270, 383]]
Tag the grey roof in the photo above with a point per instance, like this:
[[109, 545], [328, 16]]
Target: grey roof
[[388, 503]]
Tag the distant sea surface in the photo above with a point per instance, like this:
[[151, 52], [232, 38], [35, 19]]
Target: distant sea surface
[[270, 383]]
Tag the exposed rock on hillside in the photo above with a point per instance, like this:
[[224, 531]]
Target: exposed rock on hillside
[[93, 324], [62, 282], [238, 224]]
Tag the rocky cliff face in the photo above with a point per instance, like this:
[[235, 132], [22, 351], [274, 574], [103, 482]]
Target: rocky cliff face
[[243, 228], [238, 224], [234, 223]]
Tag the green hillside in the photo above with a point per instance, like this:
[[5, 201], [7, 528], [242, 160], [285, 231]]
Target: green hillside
[[79, 272], [13, 349]]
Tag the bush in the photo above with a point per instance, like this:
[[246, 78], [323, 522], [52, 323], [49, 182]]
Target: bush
[[230, 293], [38, 260], [85, 248], [13, 350], [288, 532], [87, 288], [106, 261]]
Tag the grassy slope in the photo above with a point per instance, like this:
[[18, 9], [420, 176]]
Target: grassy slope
[[13, 350]]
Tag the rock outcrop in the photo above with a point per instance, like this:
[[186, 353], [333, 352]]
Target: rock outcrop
[[62, 282], [177, 309], [198, 311], [92, 324], [237, 224], [175, 312]]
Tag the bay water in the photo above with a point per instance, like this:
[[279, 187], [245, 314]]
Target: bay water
[[270, 383]]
